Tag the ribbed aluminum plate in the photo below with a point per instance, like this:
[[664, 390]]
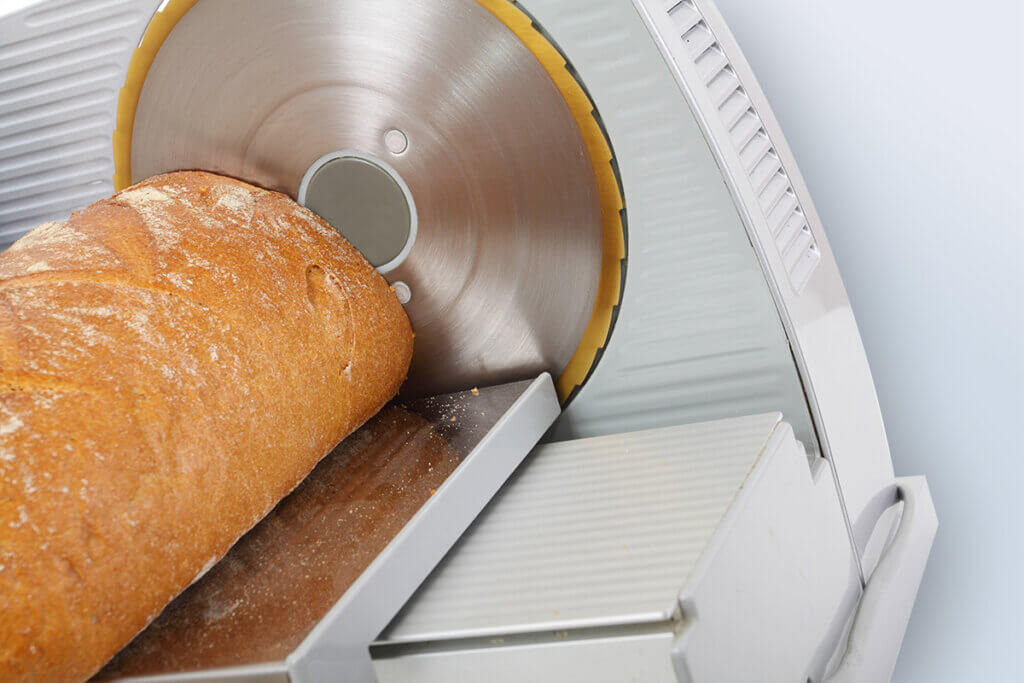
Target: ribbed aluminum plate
[[637, 510], [62, 63]]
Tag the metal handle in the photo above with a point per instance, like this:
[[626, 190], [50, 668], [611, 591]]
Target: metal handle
[[889, 596]]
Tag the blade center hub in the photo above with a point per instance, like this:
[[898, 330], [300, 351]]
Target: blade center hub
[[366, 200]]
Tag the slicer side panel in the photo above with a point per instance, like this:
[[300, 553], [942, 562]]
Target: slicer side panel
[[786, 232], [62, 65], [698, 335], [785, 531]]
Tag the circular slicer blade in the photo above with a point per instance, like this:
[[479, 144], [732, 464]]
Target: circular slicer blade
[[507, 259]]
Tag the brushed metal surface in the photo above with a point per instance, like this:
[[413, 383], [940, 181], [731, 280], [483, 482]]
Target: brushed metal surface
[[505, 267], [592, 532]]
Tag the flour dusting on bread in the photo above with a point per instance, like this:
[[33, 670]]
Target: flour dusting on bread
[[164, 382]]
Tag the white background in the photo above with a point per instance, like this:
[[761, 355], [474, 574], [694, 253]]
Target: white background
[[905, 117]]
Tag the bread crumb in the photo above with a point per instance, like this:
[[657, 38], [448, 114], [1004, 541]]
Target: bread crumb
[[475, 392]]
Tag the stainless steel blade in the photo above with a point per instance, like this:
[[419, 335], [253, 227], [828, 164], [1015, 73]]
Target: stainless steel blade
[[506, 263]]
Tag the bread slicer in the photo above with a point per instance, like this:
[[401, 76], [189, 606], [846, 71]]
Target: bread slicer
[[591, 188]]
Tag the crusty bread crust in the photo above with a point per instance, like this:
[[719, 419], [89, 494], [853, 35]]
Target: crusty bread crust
[[173, 361]]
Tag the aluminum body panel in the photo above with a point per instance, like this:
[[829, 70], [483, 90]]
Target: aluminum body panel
[[594, 531], [698, 336], [816, 311], [785, 531], [642, 657], [677, 530]]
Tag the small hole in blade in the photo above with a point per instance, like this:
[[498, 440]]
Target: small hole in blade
[[396, 141]]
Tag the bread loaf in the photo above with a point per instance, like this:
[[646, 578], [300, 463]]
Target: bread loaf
[[173, 361]]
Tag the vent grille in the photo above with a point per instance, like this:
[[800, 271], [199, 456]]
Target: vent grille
[[778, 201]]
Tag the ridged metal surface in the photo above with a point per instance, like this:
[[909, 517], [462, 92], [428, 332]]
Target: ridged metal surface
[[62, 64], [698, 335], [592, 532], [786, 219]]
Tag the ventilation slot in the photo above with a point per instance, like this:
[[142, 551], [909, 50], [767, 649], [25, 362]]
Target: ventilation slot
[[777, 198]]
